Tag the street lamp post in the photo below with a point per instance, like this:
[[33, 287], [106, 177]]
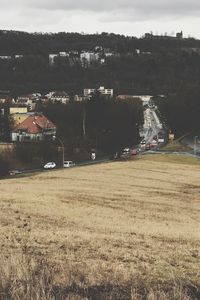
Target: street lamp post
[[84, 121], [195, 144], [62, 147]]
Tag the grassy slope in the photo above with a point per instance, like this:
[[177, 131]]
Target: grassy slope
[[176, 146], [133, 224]]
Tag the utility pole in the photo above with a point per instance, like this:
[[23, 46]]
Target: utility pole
[[84, 119], [195, 144], [62, 147]]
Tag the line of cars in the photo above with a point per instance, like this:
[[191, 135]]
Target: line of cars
[[48, 166], [126, 153], [155, 142], [52, 165]]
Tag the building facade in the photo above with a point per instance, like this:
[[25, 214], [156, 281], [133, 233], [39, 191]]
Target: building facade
[[101, 90], [34, 128]]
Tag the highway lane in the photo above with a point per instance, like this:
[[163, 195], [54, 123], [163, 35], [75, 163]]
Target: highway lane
[[152, 129], [79, 164]]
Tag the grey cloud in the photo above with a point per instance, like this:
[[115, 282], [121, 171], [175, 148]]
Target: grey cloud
[[136, 7], [79, 15], [107, 5]]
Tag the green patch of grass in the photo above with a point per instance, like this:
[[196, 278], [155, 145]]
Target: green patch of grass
[[173, 158], [176, 146]]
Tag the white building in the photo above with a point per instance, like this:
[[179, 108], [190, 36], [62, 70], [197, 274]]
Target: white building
[[28, 100], [63, 54], [18, 56], [5, 57], [61, 97], [102, 90], [88, 57]]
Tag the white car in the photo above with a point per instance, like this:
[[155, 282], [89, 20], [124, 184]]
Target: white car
[[161, 140], [68, 164], [14, 172], [143, 142], [50, 165]]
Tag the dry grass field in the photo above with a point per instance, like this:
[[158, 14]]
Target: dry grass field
[[121, 230]]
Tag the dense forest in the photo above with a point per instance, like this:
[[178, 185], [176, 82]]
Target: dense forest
[[17, 42], [181, 110], [162, 65], [106, 125]]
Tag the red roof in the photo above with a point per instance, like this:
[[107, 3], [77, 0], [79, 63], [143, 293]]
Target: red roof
[[35, 124]]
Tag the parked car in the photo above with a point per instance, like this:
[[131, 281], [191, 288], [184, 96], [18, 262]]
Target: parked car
[[148, 147], [68, 164], [161, 140], [134, 151], [125, 154], [50, 165], [126, 150], [14, 172], [143, 142]]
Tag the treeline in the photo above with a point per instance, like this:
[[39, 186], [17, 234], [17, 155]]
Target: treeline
[[101, 124], [16, 42], [182, 109]]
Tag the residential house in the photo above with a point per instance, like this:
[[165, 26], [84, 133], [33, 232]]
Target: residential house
[[18, 109], [63, 54], [18, 117], [59, 97], [5, 98], [34, 128], [88, 57], [29, 100]]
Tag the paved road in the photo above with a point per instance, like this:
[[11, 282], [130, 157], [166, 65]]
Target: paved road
[[79, 164], [152, 126]]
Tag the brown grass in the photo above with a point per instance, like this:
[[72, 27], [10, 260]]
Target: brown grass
[[123, 230]]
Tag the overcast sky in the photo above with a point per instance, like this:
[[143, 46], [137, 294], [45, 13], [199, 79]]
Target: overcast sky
[[129, 17]]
